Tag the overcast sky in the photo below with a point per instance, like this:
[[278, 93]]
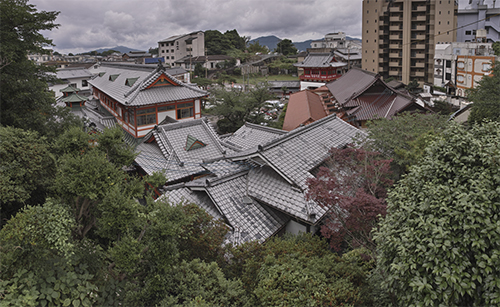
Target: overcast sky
[[93, 24]]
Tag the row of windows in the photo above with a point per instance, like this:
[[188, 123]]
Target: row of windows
[[167, 51], [167, 44]]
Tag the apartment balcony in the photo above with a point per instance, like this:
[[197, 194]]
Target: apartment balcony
[[419, 18], [394, 55], [418, 56], [394, 72], [418, 28], [417, 74], [395, 18], [395, 37], [394, 64], [418, 65], [394, 46], [420, 8], [418, 46], [395, 28], [419, 37]]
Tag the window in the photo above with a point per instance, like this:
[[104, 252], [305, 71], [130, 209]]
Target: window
[[146, 116], [131, 117], [461, 65], [468, 32], [460, 78], [84, 83], [166, 108], [185, 110], [486, 67]]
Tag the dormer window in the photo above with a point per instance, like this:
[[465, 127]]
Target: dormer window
[[130, 81], [113, 77]]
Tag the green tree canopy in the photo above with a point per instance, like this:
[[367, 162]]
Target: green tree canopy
[[255, 47], [440, 241], [27, 169], [404, 137], [486, 97], [25, 101], [286, 47], [217, 43], [236, 107], [496, 47]]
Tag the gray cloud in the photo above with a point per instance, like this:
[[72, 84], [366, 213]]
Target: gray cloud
[[94, 24]]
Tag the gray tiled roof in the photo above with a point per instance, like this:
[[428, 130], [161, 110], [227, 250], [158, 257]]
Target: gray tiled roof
[[258, 190], [73, 73], [168, 153], [184, 195], [319, 59], [249, 219], [138, 94], [353, 83], [299, 151], [250, 135], [267, 186]]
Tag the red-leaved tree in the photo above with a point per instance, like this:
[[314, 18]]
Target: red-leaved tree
[[353, 187]]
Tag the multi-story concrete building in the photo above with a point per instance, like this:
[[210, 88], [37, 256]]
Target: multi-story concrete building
[[461, 65], [179, 46], [399, 36], [476, 17]]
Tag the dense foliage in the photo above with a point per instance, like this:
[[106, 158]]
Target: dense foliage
[[404, 137], [25, 101], [440, 241], [237, 107], [353, 189], [300, 271], [217, 43], [285, 47], [486, 97], [27, 169]]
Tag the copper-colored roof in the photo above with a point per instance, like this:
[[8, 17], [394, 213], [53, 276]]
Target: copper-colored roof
[[303, 107]]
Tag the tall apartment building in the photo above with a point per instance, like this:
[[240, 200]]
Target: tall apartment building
[[399, 36], [479, 16], [179, 46]]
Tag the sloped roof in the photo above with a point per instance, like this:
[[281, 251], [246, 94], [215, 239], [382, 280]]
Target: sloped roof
[[164, 149], [141, 93], [364, 96], [293, 154], [73, 73], [176, 37], [320, 59], [303, 107], [259, 189], [251, 135], [351, 84], [69, 89], [74, 97], [249, 219]]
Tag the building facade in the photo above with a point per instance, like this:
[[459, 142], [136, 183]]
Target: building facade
[[478, 16], [179, 46], [140, 98], [399, 36], [319, 68], [462, 65]]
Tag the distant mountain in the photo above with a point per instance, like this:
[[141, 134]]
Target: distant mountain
[[272, 41], [121, 49], [269, 41]]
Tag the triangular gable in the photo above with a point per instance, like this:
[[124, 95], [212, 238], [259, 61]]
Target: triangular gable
[[163, 80], [130, 81], [193, 143], [113, 77], [102, 73]]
